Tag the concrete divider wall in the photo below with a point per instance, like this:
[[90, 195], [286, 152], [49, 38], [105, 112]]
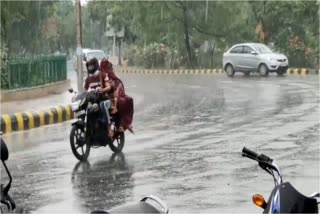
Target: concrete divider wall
[[34, 92], [29, 120]]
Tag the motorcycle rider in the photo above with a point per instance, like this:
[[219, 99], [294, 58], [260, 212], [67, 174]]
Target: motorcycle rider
[[100, 81], [122, 104]]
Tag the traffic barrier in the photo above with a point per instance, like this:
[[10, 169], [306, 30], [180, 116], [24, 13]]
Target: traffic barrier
[[28, 120], [290, 71], [33, 71], [302, 71]]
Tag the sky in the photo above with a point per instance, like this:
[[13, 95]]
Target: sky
[[84, 2]]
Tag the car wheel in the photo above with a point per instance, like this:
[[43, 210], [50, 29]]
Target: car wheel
[[263, 70], [229, 70]]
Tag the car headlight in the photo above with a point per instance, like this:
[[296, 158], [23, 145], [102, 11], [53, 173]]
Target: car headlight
[[75, 105]]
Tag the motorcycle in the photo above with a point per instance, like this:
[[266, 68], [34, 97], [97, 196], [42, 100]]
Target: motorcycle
[[90, 129], [7, 203], [284, 198]]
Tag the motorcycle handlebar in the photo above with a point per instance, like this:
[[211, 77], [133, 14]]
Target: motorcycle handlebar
[[264, 161], [254, 156], [250, 154]]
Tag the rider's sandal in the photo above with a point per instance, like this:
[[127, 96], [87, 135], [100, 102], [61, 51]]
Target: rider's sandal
[[114, 110], [110, 133], [131, 130], [120, 129]]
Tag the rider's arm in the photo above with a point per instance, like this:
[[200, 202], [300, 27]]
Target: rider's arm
[[116, 94], [118, 89], [86, 85], [107, 83], [107, 88]]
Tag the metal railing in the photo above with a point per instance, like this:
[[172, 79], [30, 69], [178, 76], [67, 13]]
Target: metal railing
[[34, 71]]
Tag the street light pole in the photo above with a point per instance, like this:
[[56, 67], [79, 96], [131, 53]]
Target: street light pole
[[79, 47], [207, 11]]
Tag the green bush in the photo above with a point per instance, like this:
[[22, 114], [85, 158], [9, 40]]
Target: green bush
[[135, 56], [156, 55], [4, 72]]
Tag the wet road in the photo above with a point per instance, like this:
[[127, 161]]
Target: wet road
[[190, 131]]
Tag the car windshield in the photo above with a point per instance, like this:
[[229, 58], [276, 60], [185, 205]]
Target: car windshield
[[262, 49], [99, 55]]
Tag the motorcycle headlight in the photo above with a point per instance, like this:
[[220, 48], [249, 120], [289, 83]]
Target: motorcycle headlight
[[75, 105]]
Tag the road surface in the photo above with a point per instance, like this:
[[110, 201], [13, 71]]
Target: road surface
[[190, 131]]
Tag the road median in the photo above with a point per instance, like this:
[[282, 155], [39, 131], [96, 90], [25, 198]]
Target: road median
[[290, 71], [28, 120]]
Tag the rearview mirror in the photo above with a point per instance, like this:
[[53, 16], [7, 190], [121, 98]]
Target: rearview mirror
[[70, 90], [253, 53], [4, 151]]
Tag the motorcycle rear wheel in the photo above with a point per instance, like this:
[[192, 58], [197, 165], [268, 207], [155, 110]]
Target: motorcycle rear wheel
[[77, 142], [117, 143]]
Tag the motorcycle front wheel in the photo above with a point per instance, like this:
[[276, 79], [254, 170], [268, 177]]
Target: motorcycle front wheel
[[79, 146]]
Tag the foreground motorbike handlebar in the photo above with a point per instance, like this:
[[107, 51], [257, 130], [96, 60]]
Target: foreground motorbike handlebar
[[264, 161], [250, 154], [254, 156]]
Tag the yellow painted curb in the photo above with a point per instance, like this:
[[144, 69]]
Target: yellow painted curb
[[29, 120], [290, 71]]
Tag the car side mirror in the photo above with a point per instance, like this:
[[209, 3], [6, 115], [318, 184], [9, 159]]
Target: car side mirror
[[253, 53], [4, 151]]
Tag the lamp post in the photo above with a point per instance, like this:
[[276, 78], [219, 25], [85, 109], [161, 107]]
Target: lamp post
[[79, 46]]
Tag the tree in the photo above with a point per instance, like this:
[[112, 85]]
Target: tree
[[195, 32], [37, 27], [292, 26]]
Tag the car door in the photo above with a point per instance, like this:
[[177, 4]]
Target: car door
[[234, 56], [249, 59]]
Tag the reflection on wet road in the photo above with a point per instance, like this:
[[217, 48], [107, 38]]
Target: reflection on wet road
[[190, 131]]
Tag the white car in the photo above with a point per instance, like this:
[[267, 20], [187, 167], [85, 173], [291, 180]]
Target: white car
[[254, 57], [88, 54]]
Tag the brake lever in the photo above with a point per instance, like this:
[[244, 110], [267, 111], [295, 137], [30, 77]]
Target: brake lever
[[265, 166]]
